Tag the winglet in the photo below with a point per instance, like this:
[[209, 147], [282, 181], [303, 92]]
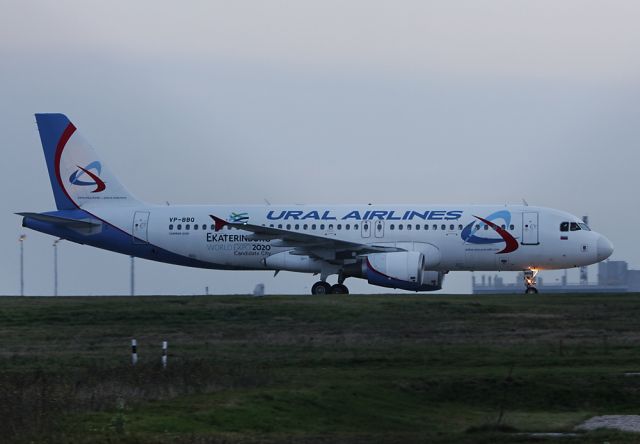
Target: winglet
[[220, 223]]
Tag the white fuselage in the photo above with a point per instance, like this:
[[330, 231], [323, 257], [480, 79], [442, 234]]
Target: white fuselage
[[437, 230]]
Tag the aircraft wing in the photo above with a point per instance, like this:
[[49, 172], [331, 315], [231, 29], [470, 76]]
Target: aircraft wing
[[304, 243]]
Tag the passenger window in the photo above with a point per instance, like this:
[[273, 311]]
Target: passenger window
[[503, 226], [574, 227], [460, 227], [179, 227], [452, 227], [271, 225], [305, 226], [280, 226], [339, 226], [288, 226], [313, 227], [195, 226], [297, 226], [331, 226], [322, 226], [564, 226], [187, 227], [408, 226], [355, 226], [213, 227], [426, 226], [435, 227], [347, 227], [417, 227], [171, 227], [443, 226], [399, 226], [511, 227], [392, 227]]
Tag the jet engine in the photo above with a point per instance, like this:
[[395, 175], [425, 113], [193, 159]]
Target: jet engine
[[401, 269]]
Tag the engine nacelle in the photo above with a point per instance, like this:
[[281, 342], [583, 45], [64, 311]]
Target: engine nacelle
[[401, 269], [403, 266]]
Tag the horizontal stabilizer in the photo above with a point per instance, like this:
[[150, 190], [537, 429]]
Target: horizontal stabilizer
[[63, 221]]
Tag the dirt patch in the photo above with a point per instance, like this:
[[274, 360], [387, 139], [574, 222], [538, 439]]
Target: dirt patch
[[626, 423]]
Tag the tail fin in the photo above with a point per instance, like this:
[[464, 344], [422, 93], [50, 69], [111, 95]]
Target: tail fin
[[78, 177]]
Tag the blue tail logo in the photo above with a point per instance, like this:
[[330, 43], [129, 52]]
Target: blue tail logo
[[78, 175]]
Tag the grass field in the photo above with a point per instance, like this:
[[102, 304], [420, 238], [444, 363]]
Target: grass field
[[333, 369]]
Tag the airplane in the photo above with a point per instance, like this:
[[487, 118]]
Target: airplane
[[409, 247]]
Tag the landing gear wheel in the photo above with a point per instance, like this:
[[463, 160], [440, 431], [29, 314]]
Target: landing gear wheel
[[530, 281], [321, 287], [339, 289]]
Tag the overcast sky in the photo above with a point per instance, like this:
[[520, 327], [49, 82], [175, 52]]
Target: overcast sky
[[320, 102]]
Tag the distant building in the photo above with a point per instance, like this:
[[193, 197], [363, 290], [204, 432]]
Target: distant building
[[613, 277]]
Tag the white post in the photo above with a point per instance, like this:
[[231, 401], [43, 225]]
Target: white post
[[164, 354], [134, 351]]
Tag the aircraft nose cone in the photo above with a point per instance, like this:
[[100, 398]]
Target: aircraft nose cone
[[604, 248]]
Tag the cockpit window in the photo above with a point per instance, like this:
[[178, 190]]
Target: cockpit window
[[584, 226], [574, 226], [564, 226]]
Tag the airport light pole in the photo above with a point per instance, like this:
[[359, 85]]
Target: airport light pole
[[21, 240], [133, 282], [55, 267]]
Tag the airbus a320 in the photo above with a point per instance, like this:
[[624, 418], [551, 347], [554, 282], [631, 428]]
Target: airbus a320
[[409, 247]]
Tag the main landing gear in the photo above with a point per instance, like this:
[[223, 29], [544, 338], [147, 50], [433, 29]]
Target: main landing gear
[[322, 287], [530, 281]]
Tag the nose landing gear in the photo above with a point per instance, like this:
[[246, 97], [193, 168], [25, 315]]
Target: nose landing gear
[[530, 281]]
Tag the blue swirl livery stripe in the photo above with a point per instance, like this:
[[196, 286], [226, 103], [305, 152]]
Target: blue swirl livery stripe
[[469, 232]]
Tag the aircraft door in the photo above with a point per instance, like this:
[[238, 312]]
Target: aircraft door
[[378, 228], [530, 228], [366, 228], [140, 231]]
